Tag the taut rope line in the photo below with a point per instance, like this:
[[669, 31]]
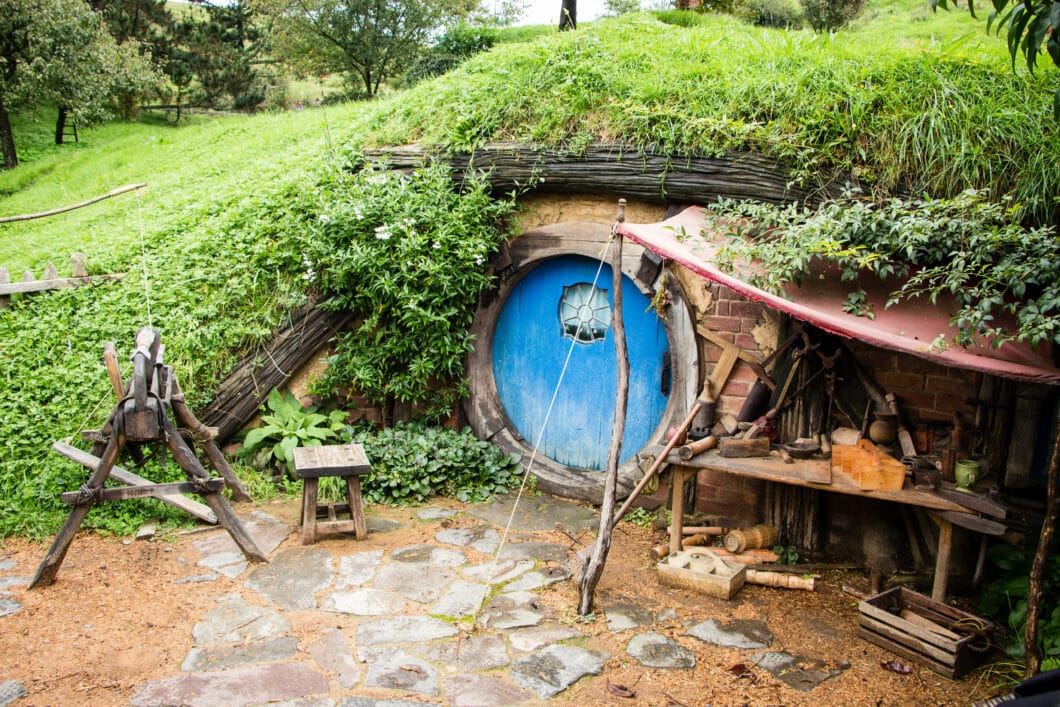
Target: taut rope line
[[143, 254]]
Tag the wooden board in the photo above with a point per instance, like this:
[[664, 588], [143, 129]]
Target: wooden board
[[147, 490], [89, 461]]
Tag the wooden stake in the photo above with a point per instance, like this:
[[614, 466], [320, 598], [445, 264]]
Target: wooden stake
[[209, 446], [226, 517], [594, 568], [1033, 659], [110, 360], [49, 567]]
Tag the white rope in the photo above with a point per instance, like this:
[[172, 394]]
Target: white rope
[[544, 424], [143, 256]]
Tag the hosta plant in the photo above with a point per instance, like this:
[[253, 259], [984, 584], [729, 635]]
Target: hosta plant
[[286, 424]]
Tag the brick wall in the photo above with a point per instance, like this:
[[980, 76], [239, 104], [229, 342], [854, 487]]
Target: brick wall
[[744, 323], [734, 500], [925, 390]]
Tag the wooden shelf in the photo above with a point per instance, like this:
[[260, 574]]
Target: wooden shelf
[[807, 473]]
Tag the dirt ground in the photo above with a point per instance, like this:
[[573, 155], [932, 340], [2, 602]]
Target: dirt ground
[[115, 620]]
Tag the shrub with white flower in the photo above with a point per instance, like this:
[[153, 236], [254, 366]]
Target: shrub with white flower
[[408, 254]]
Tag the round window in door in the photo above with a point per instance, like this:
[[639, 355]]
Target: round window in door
[[555, 317]]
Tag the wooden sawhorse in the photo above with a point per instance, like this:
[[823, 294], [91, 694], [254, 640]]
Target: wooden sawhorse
[[347, 461]]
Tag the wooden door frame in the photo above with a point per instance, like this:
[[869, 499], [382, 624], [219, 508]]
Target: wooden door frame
[[483, 406]]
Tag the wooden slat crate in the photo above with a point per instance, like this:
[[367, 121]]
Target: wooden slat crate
[[942, 638], [868, 467]]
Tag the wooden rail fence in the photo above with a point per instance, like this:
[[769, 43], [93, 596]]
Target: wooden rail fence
[[50, 279]]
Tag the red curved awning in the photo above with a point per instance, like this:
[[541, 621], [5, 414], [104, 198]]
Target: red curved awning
[[910, 326]]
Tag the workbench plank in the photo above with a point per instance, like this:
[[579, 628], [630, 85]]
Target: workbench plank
[[774, 469]]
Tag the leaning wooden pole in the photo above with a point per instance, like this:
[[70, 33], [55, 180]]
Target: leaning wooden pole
[[1032, 657], [595, 565], [79, 205]]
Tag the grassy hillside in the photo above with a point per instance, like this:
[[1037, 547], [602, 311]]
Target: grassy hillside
[[233, 204], [907, 97]]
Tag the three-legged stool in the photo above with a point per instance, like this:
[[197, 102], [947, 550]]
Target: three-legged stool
[[347, 461]]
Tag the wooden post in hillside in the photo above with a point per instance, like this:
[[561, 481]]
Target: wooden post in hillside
[[595, 565]]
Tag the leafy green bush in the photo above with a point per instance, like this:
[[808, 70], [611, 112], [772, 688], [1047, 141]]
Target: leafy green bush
[[409, 254], [975, 250], [782, 14], [412, 462], [829, 15], [1005, 599], [286, 425]]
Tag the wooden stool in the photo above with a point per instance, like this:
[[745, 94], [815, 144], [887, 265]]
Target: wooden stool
[[347, 461]]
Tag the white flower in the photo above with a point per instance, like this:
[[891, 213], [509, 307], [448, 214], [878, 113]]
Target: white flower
[[382, 233], [324, 218]]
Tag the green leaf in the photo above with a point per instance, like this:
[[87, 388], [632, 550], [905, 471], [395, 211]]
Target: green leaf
[[254, 439]]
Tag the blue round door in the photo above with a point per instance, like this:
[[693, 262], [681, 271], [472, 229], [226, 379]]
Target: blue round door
[[555, 312]]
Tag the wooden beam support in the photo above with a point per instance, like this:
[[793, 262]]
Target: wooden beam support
[[85, 459], [75, 498]]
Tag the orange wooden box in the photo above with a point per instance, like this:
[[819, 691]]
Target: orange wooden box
[[868, 467]]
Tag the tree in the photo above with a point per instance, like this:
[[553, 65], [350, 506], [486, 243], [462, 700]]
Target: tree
[[222, 51], [1030, 23], [568, 15], [58, 51], [150, 26], [370, 40]]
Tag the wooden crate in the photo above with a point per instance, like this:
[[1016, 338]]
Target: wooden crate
[[702, 572], [868, 467], [942, 638]]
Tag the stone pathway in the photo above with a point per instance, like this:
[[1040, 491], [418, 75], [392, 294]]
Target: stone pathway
[[430, 621]]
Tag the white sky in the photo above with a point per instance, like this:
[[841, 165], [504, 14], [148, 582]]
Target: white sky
[[546, 12]]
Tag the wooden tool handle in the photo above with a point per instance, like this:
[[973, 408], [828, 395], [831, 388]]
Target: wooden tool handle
[[699, 446]]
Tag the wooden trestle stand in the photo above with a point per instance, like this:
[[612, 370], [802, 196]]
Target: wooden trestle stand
[[142, 417]]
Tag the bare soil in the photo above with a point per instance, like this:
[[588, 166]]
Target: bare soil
[[115, 620]]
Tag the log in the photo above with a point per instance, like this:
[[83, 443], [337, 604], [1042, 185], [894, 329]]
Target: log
[[661, 551], [699, 446], [245, 389], [750, 557], [704, 530], [612, 167], [779, 579], [731, 447], [64, 209]]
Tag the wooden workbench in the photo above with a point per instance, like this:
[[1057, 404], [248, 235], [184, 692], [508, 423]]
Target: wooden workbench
[[815, 474]]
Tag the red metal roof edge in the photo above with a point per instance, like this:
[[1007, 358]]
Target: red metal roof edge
[[659, 238]]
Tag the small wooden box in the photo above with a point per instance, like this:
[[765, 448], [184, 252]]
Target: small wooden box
[[868, 467], [942, 638], [702, 572]]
